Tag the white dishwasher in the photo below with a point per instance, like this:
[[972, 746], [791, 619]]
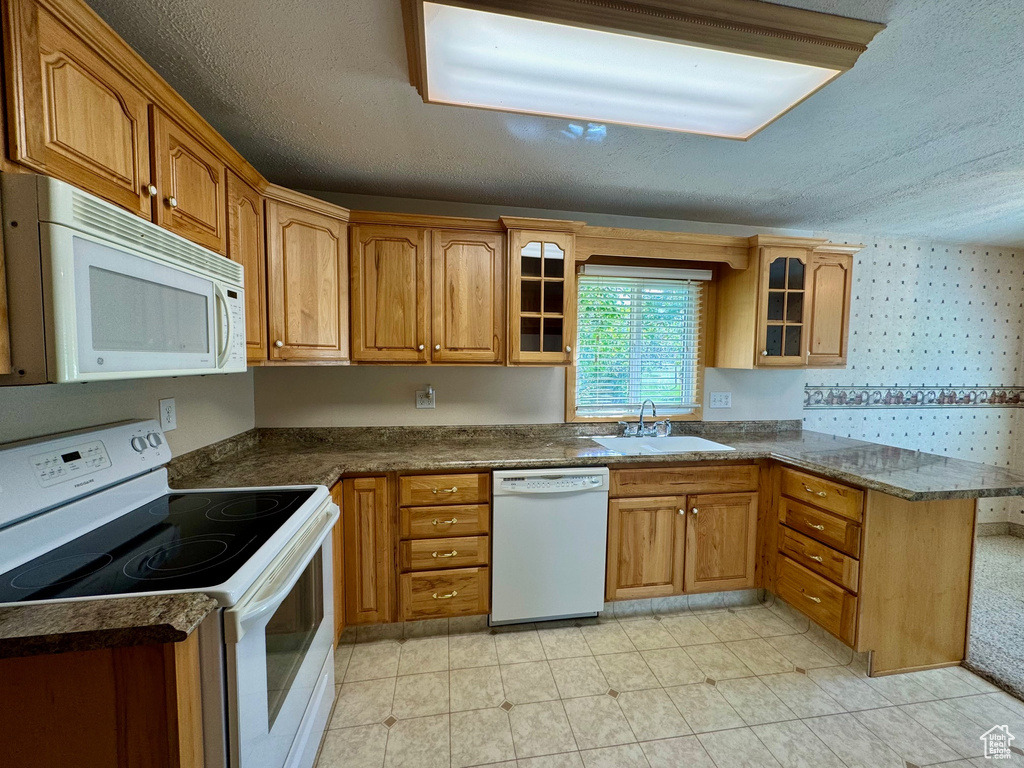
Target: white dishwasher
[[549, 541]]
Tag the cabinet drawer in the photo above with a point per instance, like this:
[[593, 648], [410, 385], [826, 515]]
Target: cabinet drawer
[[837, 532], [437, 594], [823, 560], [679, 481], [827, 494], [422, 490], [431, 554], [829, 606], [439, 522]]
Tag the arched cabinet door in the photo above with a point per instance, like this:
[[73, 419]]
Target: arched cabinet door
[[831, 280], [390, 294], [78, 118], [468, 296], [307, 284]]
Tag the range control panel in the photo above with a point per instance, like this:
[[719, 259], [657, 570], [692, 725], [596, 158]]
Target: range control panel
[[70, 462], [36, 475]]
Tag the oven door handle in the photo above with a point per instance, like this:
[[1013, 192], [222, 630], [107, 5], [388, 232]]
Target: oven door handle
[[269, 594]]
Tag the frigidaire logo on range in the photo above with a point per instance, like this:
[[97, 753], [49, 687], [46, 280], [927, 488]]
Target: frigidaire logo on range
[[84, 482]]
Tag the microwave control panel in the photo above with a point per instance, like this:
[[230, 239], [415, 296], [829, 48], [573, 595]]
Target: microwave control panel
[[236, 358]]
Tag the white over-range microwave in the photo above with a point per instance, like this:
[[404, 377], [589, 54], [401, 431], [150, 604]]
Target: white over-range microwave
[[96, 293]]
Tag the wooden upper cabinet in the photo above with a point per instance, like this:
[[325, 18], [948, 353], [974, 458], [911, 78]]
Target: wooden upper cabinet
[[831, 280], [542, 297], [307, 284], [645, 547], [765, 314], [468, 296], [390, 294], [721, 542], [783, 306], [247, 246], [72, 114], [369, 562], [190, 181]]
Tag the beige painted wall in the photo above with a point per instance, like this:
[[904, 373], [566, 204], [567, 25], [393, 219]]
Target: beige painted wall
[[385, 396], [209, 408], [377, 395]]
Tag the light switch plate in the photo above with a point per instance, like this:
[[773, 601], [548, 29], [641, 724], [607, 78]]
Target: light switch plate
[[721, 399], [168, 415], [425, 398]]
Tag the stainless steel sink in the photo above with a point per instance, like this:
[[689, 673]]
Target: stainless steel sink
[[644, 446]]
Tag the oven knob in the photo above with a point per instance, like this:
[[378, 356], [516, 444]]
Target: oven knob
[[154, 439], [139, 444]]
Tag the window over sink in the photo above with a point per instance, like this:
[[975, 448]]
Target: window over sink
[[639, 337]]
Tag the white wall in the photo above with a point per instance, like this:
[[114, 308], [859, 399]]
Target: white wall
[[209, 408]]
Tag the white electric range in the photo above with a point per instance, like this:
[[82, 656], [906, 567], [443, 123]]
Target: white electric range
[[89, 514]]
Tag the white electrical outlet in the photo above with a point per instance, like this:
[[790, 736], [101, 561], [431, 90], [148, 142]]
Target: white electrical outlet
[[721, 399], [168, 416], [425, 397]]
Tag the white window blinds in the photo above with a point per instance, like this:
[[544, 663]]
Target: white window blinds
[[638, 338]]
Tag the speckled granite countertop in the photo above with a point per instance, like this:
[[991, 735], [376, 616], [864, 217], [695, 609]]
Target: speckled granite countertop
[[321, 456], [89, 625]]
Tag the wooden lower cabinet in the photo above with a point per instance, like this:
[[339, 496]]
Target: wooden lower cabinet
[[666, 545], [721, 542], [131, 706], [338, 545], [368, 550], [645, 547]]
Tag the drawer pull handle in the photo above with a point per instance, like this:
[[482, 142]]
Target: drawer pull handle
[[816, 527], [453, 553], [817, 558], [453, 489], [812, 599], [453, 521], [449, 596], [811, 490]]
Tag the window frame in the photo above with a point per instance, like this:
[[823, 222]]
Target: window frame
[[707, 329]]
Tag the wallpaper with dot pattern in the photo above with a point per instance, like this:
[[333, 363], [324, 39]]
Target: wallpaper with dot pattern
[[930, 318]]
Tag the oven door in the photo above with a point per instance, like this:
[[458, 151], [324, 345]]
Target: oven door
[[280, 638], [118, 314]]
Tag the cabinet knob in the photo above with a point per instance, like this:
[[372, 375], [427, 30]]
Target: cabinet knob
[[568, 349], [693, 511], [421, 347], [437, 347], [172, 201], [278, 343], [150, 190], [764, 353]]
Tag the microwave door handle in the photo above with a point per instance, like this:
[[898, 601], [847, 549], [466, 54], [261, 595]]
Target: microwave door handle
[[275, 589], [224, 347]]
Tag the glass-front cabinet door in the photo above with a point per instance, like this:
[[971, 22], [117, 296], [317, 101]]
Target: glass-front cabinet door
[[783, 308], [541, 297]]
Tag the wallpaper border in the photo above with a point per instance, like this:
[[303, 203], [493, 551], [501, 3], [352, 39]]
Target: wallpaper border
[[876, 396]]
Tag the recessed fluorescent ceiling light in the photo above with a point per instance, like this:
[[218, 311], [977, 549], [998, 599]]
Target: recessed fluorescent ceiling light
[[483, 59]]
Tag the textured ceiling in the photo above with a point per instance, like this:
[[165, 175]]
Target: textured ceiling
[[924, 138]]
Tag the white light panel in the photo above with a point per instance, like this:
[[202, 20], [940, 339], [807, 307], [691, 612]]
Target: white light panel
[[481, 59]]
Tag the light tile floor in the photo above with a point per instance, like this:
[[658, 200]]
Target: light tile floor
[[745, 686], [997, 611]]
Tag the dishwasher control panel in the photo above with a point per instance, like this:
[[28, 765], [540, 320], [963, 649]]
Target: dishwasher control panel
[[547, 481]]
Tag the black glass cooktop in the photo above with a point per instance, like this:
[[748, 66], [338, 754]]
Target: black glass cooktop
[[181, 541]]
